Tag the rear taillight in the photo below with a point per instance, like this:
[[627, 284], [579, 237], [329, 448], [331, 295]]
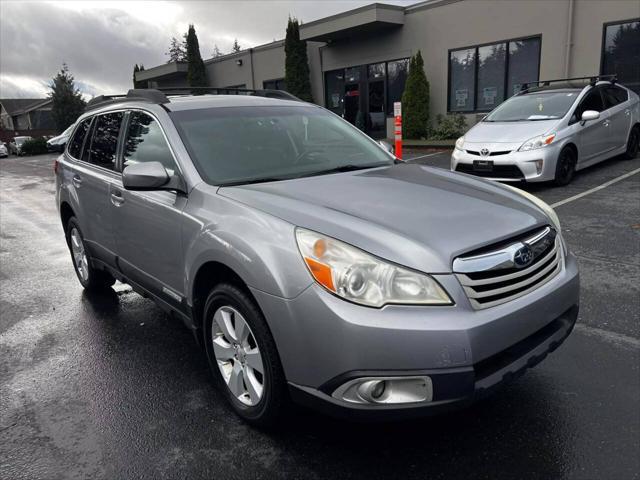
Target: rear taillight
[[55, 166]]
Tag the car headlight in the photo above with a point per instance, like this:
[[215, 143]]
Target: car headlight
[[537, 142], [550, 212], [460, 143], [362, 278]]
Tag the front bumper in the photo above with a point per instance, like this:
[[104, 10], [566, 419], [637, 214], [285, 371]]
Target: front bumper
[[524, 163], [324, 341]]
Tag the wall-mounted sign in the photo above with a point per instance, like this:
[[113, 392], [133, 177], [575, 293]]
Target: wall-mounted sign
[[397, 109], [461, 97], [489, 95]]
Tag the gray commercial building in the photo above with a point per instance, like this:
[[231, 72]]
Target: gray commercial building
[[476, 54]]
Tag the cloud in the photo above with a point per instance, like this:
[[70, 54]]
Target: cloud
[[101, 41]]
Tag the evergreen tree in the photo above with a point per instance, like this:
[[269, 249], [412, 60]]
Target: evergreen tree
[[415, 101], [136, 69], [196, 73], [236, 46], [67, 104], [177, 51], [216, 51], [296, 66]]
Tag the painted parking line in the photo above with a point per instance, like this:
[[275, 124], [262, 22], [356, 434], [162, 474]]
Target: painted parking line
[[595, 189], [422, 156]]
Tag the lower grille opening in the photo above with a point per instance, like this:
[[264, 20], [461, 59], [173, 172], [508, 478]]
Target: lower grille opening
[[500, 360], [498, 171]]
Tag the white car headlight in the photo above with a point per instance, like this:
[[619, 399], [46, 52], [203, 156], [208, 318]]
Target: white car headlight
[[460, 143], [362, 278], [537, 142]]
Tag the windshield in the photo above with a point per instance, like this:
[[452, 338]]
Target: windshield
[[235, 145], [534, 106], [20, 140]]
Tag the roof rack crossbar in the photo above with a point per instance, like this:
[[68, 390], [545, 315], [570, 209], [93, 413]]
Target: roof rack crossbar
[[593, 79]]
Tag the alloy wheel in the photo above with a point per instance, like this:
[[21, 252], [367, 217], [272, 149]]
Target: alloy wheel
[[79, 255], [237, 355]]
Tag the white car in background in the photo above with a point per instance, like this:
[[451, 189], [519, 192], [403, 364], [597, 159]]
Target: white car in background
[[548, 132], [3, 150]]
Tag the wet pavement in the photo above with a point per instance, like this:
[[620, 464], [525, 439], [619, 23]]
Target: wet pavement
[[111, 387]]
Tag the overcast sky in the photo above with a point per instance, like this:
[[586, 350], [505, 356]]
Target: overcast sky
[[101, 41]]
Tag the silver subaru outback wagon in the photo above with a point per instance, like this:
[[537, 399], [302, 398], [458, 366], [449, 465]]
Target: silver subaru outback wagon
[[310, 263], [550, 130]]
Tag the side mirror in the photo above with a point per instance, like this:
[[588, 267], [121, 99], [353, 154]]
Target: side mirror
[[145, 176], [589, 115], [386, 146]]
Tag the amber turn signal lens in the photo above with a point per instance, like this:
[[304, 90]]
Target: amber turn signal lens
[[321, 272], [549, 139]]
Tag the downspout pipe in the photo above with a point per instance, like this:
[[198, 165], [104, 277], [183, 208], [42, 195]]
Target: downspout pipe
[[253, 78], [569, 44]]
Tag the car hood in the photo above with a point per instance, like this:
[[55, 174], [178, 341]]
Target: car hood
[[416, 216], [508, 132]]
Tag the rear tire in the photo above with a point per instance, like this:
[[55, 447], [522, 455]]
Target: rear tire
[[90, 278], [633, 143], [565, 167], [237, 351]]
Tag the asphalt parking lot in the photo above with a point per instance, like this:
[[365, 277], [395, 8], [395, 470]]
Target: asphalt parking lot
[[110, 387]]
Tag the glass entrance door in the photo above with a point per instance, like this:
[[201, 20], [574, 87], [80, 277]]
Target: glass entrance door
[[376, 117]]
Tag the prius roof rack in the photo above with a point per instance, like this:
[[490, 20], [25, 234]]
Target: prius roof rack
[[593, 79], [160, 96]]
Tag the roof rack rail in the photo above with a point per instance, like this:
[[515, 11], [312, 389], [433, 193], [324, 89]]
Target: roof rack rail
[[159, 95], [593, 79], [281, 94], [150, 95]]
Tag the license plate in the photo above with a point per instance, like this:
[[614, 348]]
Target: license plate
[[483, 165]]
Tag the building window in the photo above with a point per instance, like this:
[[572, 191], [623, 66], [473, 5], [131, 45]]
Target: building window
[[396, 77], [621, 52], [481, 77], [277, 84]]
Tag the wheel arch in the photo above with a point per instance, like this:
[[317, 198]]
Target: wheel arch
[[66, 212]]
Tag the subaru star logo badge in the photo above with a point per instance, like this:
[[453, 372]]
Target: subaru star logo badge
[[523, 256], [484, 152]]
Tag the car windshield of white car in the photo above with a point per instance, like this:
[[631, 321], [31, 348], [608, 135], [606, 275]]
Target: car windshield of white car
[[239, 145], [534, 106]]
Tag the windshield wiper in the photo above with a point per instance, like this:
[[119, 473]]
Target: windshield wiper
[[254, 180], [345, 168]]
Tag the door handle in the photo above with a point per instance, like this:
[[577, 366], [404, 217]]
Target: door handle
[[77, 181], [606, 123], [627, 112], [116, 198]]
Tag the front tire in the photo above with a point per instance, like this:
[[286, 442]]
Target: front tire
[[90, 278], [565, 167], [633, 143], [242, 355]]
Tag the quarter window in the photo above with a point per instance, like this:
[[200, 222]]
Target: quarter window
[[621, 52], [75, 145], [481, 77], [145, 142], [104, 143]]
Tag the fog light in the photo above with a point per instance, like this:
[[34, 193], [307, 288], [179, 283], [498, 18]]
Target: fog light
[[386, 390], [538, 164], [378, 390]]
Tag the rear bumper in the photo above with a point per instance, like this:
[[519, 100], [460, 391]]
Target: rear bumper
[[453, 388]]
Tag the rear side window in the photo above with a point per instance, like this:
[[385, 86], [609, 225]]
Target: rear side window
[[104, 143], [614, 96], [75, 145], [145, 142]]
